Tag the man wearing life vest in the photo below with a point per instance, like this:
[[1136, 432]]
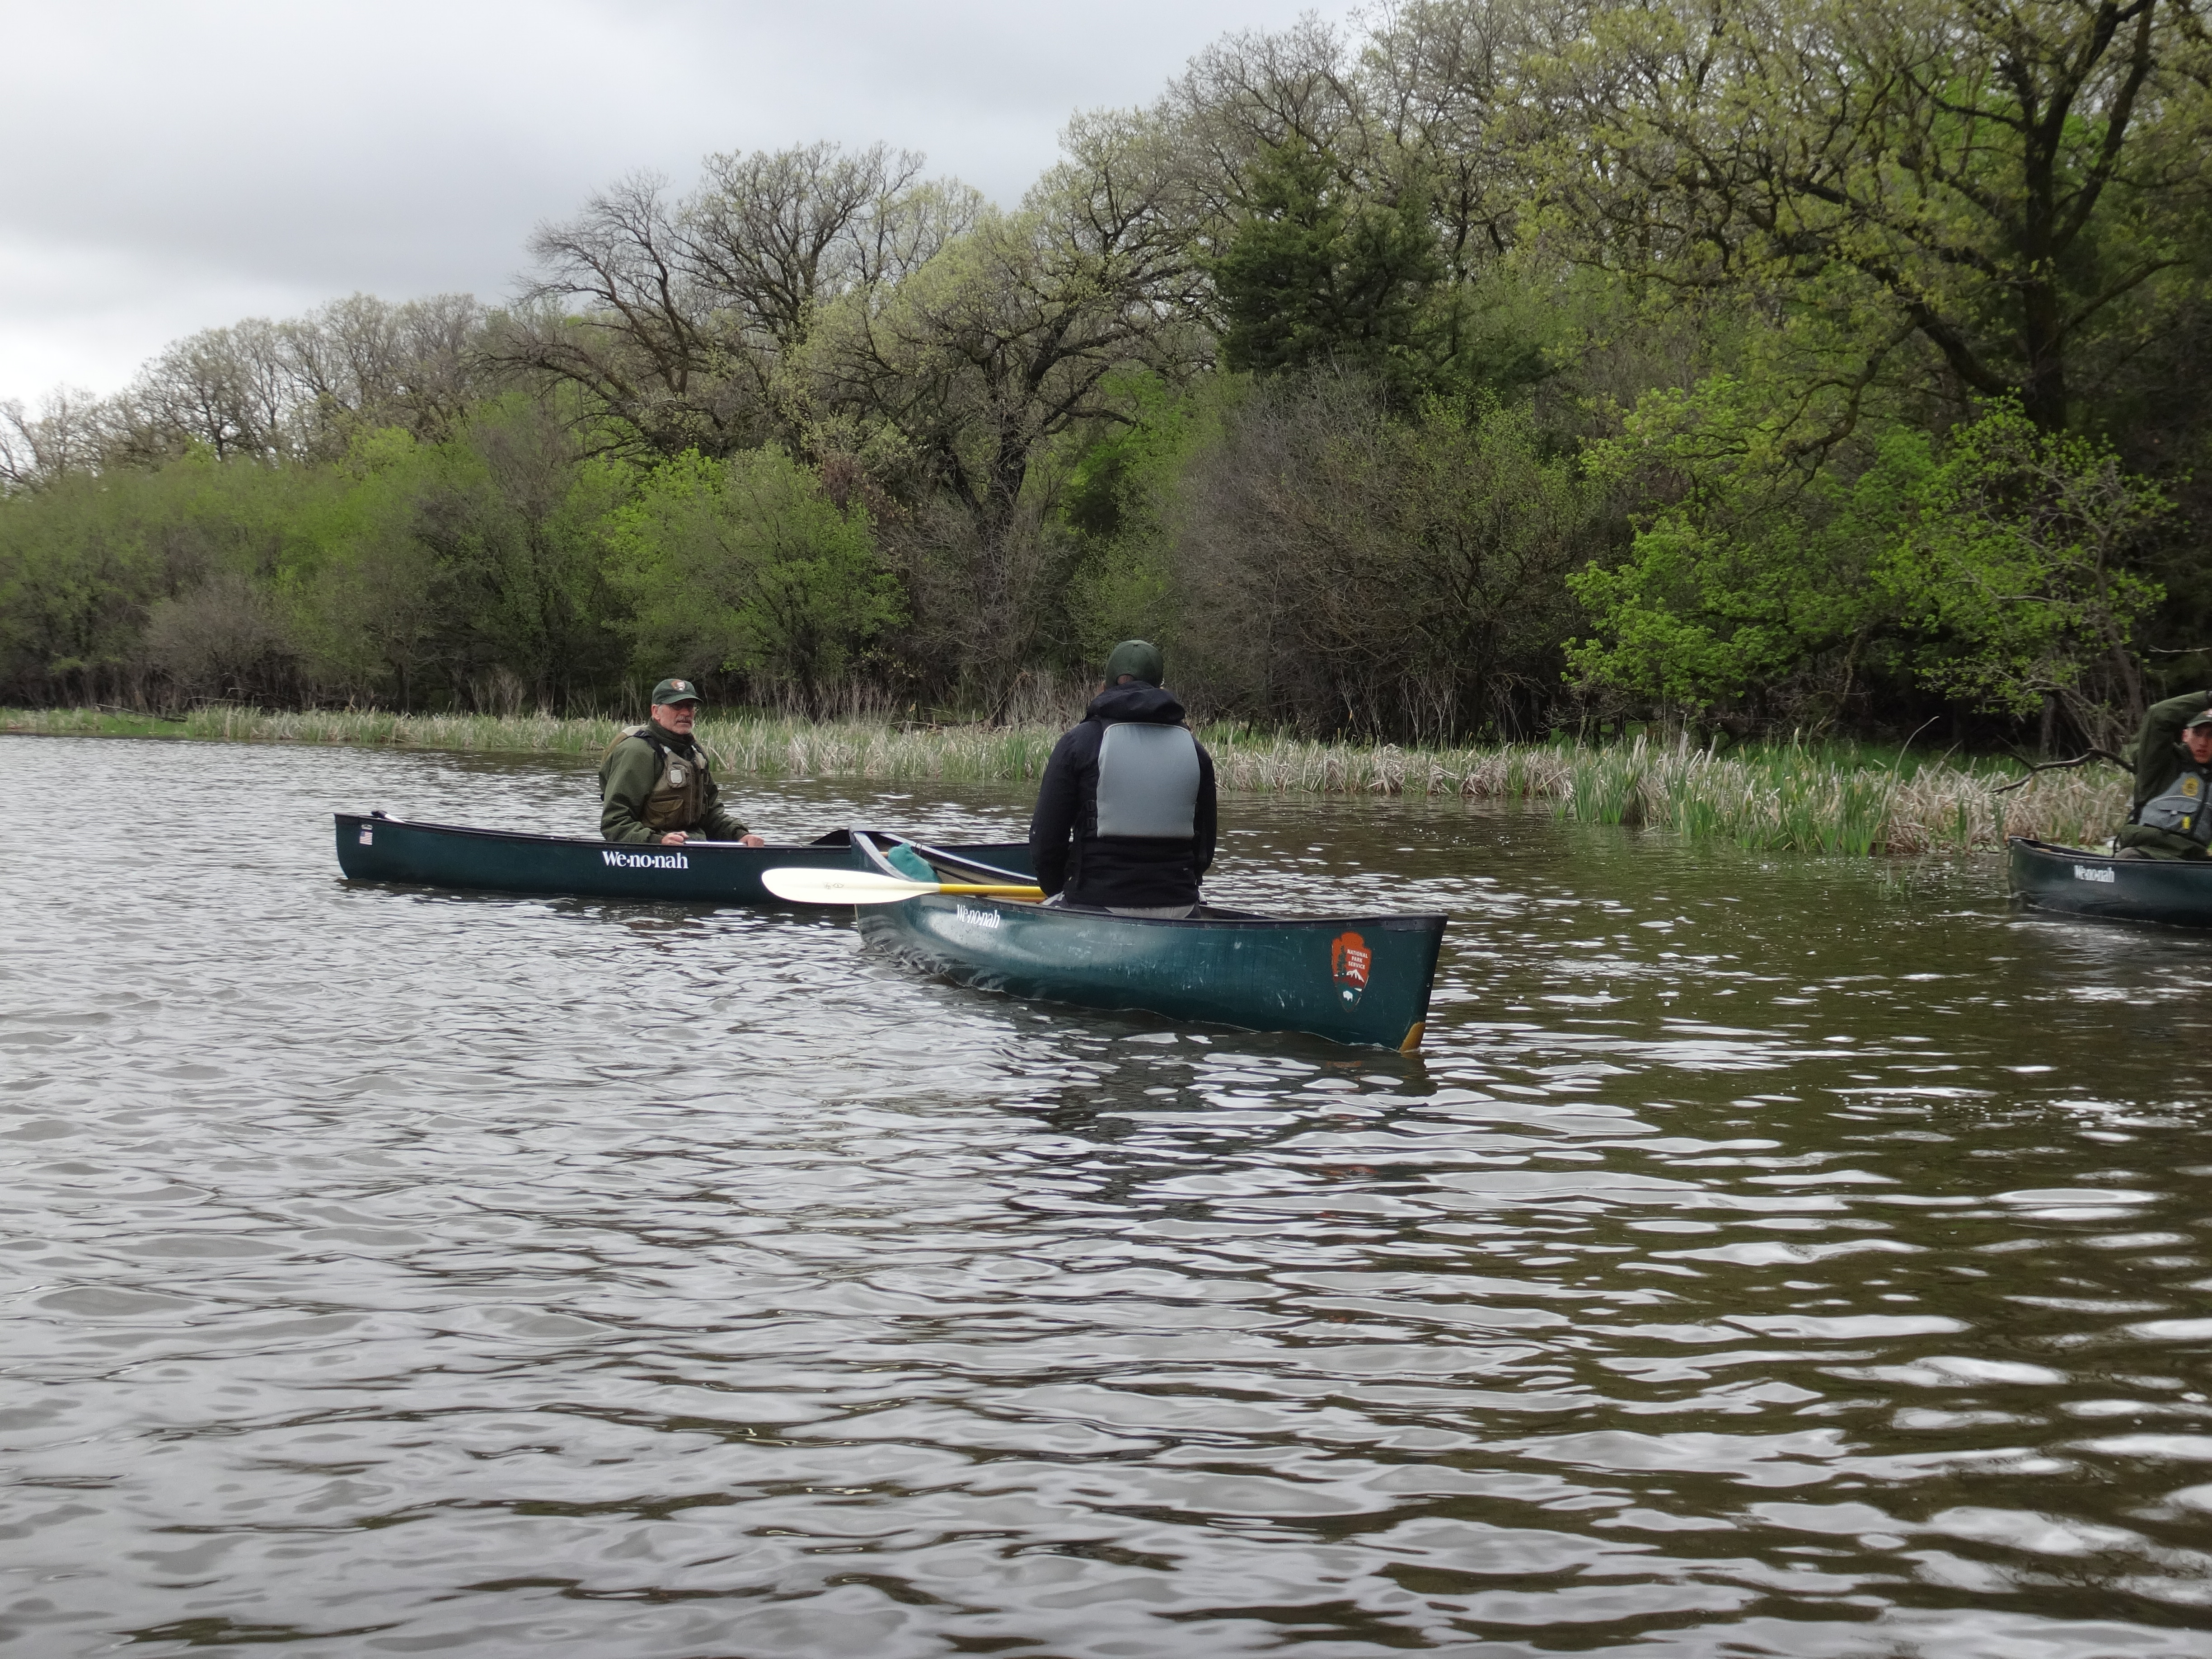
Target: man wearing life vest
[[2167, 819], [1125, 816], [654, 784]]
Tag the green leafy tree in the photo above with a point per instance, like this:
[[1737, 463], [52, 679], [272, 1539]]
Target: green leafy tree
[[2015, 572], [1317, 270], [1114, 503], [382, 608], [87, 559], [745, 566], [513, 520], [1992, 569], [468, 571], [1980, 200]]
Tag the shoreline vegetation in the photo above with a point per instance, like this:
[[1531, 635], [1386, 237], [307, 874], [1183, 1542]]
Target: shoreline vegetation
[[1436, 371], [1841, 798]]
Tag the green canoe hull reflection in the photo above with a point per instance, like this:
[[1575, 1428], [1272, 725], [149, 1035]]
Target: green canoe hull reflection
[[2084, 884], [1362, 979], [372, 849]]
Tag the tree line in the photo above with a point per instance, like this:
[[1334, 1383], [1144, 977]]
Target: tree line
[[1488, 367]]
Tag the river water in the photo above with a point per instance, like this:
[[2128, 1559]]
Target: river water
[[1766, 1255]]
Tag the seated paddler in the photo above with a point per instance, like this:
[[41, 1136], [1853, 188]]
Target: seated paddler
[[1125, 816], [2166, 818], [655, 784]]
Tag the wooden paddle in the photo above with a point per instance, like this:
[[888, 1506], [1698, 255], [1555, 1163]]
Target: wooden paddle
[[802, 886]]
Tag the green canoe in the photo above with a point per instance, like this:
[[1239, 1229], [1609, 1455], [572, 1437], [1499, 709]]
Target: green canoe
[[2175, 892], [374, 847], [1360, 979]]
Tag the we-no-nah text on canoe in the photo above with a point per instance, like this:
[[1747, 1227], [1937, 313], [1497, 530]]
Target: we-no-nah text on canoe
[[646, 860]]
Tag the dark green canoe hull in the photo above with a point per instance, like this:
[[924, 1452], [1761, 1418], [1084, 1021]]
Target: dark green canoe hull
[[494, 860], [2175, 892], [1350, 979]]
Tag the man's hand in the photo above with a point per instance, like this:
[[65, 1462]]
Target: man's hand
[[750, 841], [673, 838]]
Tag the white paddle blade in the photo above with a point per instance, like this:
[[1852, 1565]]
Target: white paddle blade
[[797, 885]]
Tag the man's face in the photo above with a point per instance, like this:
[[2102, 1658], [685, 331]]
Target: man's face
[[677, 717]]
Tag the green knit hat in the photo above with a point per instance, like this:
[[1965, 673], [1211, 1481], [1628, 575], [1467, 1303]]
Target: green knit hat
[[1139, 660]]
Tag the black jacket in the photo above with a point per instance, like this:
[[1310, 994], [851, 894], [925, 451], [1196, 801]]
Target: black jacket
[[1074, 858]]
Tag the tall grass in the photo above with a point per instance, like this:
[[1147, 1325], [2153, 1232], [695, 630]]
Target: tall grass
[[1831, 798]]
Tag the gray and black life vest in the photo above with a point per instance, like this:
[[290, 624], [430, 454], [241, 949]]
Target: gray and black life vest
[[1148, 779], [2180, 809], [678, 799]]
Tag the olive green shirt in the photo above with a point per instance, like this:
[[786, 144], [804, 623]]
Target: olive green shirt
[[629, 776]]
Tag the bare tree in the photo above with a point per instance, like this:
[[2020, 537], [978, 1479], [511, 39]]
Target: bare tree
[[222, 387], [618, 316], [675, 321], [1252, 91], [226, 638], [779, 235], [303, 387], [362, 362], [968, 372], [1449, 82], [1348, 570], [70, 434]]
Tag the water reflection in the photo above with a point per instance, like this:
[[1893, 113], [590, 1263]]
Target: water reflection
[[1766, 1255]]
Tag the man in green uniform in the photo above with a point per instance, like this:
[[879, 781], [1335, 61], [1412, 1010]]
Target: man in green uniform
[[2167, 819], [654, 784]]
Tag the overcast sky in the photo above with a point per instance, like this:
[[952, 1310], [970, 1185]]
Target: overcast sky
[[173, 167]]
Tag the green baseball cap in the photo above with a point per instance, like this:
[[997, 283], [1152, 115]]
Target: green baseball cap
[[1139, 660], [675, 691]]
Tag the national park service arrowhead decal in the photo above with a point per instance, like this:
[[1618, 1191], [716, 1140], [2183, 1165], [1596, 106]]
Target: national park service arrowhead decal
[[1351, 960]]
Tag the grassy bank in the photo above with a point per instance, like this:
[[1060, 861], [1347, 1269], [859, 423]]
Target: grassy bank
[[1832, 799]]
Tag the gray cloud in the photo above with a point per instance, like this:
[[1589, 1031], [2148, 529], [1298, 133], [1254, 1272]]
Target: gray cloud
[[172, 168]]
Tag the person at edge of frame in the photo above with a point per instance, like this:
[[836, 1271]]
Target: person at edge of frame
[[2166, 816], [655, 784], [1126, 814]]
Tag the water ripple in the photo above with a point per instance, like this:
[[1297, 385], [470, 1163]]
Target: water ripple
[[1767, 1256]]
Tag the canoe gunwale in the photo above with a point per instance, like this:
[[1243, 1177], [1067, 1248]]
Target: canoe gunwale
[[839, 837]]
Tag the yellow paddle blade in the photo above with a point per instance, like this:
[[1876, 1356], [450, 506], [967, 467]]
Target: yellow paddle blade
[[797, 885]]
